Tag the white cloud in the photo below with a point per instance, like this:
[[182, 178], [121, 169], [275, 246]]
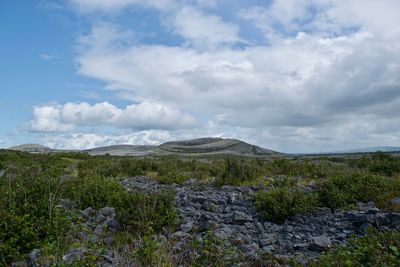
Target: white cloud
[[48, 118], [146, 115], [203, 30]]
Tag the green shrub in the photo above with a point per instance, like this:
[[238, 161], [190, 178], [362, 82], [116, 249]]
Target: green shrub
[[278, 204], [28, 207], [373, 249], [139, 212], [212, 252], [379, 163], [238, 171], [341, 191]]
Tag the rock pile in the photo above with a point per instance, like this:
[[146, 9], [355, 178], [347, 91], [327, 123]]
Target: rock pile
[[229, 213]]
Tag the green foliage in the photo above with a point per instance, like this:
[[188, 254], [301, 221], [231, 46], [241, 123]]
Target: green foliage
[[238, 171], [280, 203], [374, 249], [28, 206], [33, 186], [341, 191], [211, 252], [151, 252], [139, 212], [379, 163]]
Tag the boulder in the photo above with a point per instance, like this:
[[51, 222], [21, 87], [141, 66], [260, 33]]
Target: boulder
[[107, 212], [88, 212], [74, 254], [393, 218], [320, 243], [32, 257], [239, 217], [113, 225], [395, 201], [364, 228]]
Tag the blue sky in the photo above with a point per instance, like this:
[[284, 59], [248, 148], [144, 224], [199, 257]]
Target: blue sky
[[295, 76]]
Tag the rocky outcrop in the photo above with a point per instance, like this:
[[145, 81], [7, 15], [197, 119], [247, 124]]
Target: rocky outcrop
[[228, 212]]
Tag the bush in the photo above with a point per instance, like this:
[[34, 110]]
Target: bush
[[278, 204], [379, 163], [28, 211], [341, 191], [374, 249], [238, 171], [139, 212]]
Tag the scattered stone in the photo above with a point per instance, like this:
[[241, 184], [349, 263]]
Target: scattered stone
[[393, 218], [320, 243], [199, 199], [32, 257], [107, 212], [240, 217], [113, 225], [88, 212], [108, 241], [19, 264], [187, 227], [395, 201], [364, 228], [99, 229], [74, 254]]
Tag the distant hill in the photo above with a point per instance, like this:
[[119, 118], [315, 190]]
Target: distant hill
[[31, 148], [202, 146], [369, 150], [215, 146]]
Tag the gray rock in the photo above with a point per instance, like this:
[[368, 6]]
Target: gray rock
[[269, 249], [239, 217], [223, 233], [267, 239], [180, 235], [88, 212], [373, 211], [364, 228], [19, 264], [113, 225], [32, 257], [107, 212], [187, 227], [74, 254], [2, 172], [356, 217], [199, 199], [108, 256], [395, 201], [100, 218], [393, 218], [99, 229], [320, 243]]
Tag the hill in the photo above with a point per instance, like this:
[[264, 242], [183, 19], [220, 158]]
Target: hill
[[32, 148], [215, 146], [196, 147]]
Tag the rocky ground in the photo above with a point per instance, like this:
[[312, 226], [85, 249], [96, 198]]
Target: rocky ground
[[226, 215], [228, 212]]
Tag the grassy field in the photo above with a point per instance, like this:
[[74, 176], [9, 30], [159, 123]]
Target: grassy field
[[33, 185]]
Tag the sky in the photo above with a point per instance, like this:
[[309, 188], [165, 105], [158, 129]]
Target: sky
[[289, 75]]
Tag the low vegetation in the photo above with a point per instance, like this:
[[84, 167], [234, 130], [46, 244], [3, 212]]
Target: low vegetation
[[373, 249], [33, 185], [278, 204]]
